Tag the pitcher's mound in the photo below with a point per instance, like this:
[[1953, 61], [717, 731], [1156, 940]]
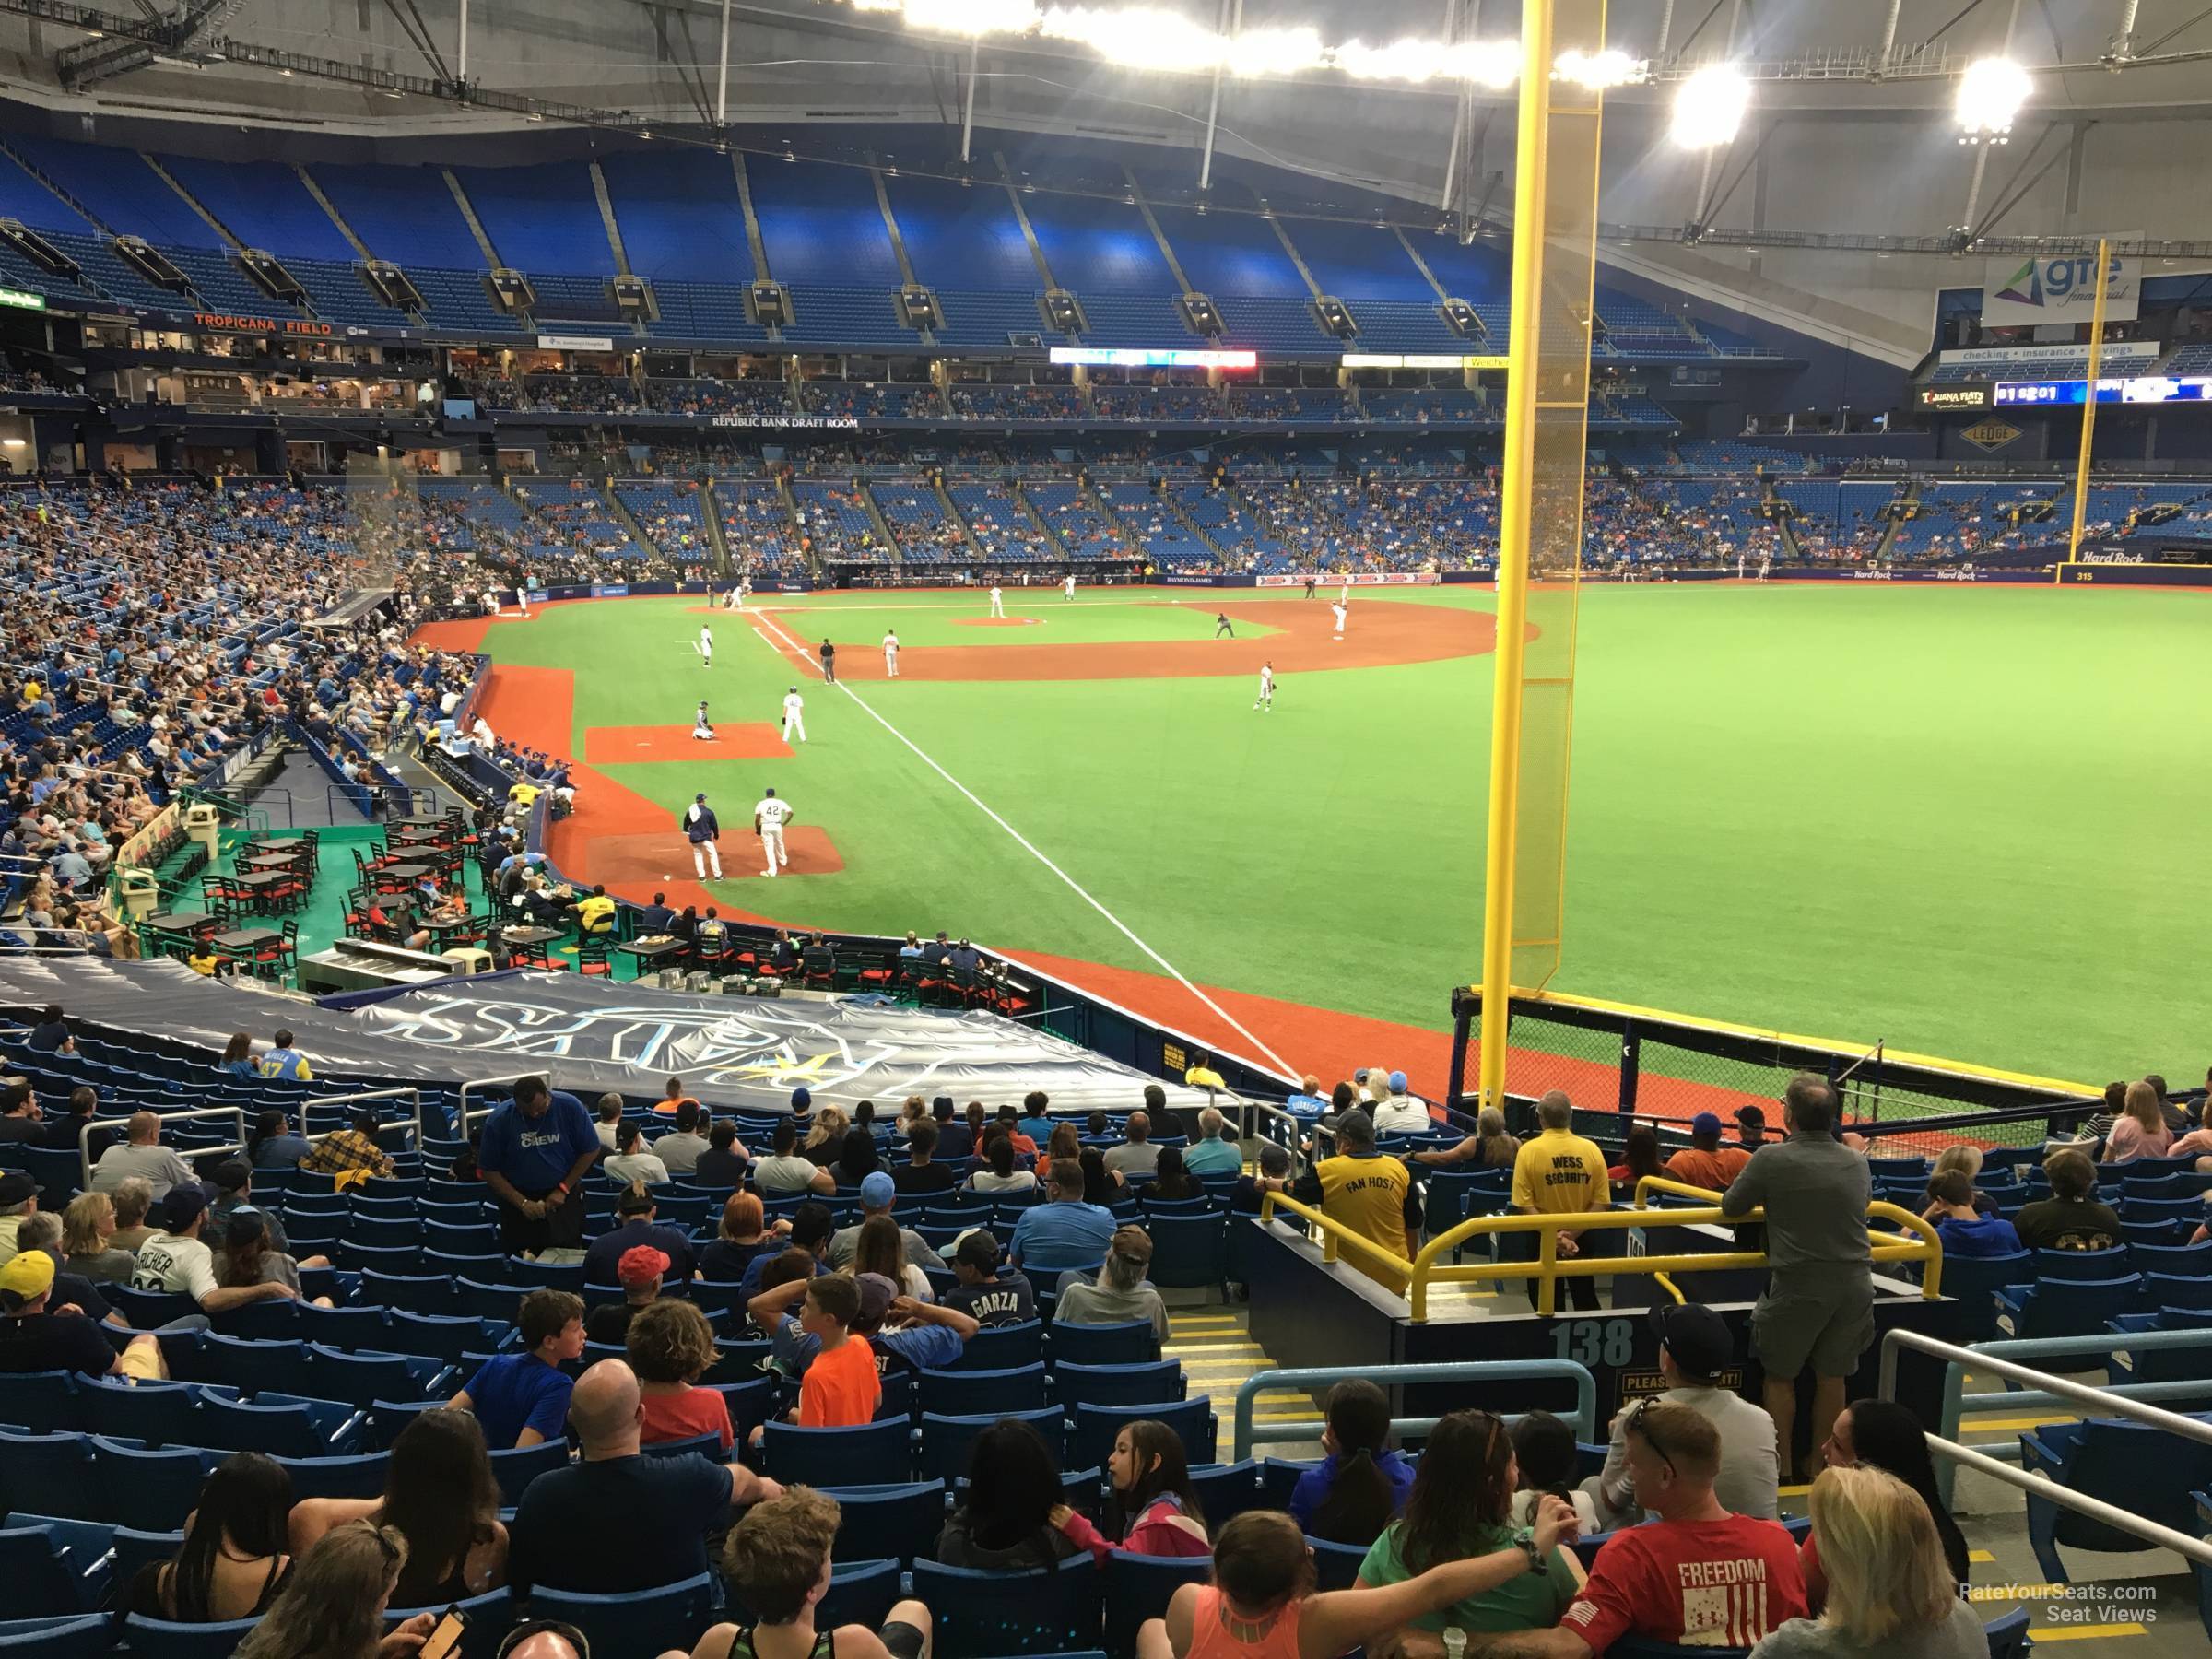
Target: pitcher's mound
[[632, 866], [733, 740], [998, 622]]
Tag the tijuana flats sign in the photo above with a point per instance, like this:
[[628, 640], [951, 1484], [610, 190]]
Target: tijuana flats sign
[[225, 322]]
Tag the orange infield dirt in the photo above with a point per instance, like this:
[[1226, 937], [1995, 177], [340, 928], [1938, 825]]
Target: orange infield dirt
[[1378, 637], [753, 740], [626, 862]]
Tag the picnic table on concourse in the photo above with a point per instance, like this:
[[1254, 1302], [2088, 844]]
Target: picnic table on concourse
[[521, 938], [649, 950], [178, 921], [246, 939]]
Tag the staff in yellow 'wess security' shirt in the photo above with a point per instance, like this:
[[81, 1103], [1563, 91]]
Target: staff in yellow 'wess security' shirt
[[1559, 1173]]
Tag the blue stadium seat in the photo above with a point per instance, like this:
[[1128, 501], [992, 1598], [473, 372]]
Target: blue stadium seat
[[358, 1477], [1227, 1490], [2081, 1264], [85, 1637], [831, 1458], [145, 1487], [2144, 1470], [1976, 1280], [1002, 1347], [946, 1441], [2007, 1636], [2178, 1290], [1131, 1344], [1189, 1252], [161, 1414], [983, 1615], [1279, 1478], [1336, 1565], [136, 1549], [43, 1576], [969, 1392], [516, 1466], [1139, 1587], [638, 1625], [1161, 1382], [173, 1640], [2063, 1307], [1096, 1426], [42, 1402], [888, 1523], [490, 1618]]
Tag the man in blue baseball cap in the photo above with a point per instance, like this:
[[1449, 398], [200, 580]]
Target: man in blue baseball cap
[[1705, 1162], [1401, 1113], [878, 1194]]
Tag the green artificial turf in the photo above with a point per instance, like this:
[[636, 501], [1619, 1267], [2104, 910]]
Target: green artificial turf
[[1970, 822]]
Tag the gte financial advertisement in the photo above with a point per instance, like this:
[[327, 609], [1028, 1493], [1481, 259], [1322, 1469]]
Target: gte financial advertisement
[[2057, 289]]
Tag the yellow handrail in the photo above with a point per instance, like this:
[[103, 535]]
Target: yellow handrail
[[1335, 1232], [1547, 1269]]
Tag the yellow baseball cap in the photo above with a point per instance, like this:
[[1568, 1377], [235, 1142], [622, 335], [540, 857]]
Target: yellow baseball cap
[[27, 1275]]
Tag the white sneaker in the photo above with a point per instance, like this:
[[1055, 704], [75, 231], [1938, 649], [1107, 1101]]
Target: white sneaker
[[768, 872]]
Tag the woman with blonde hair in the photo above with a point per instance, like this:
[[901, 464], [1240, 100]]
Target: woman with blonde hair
[[911, 1112], [827, 1138], [1890, 1590], [332, 1608], [2140, 1130], [88, 1230], [1967, 1161]]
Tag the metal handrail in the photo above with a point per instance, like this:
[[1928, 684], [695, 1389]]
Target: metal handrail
[[1248, 1432], [1334, 1233], [84, 1135], [318, 1102], [2082, 1395], [463, 1114], [2050, 1389], [1548, 1269]]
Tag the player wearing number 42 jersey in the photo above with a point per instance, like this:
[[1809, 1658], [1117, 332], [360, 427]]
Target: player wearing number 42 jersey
[[769, 816]]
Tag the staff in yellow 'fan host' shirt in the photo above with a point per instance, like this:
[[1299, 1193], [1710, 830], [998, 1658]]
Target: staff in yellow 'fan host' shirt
[[1558, 1172], [1369, 1192]]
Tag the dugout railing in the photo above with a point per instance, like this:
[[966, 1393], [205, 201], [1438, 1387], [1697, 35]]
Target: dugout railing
[[1619, 1061]]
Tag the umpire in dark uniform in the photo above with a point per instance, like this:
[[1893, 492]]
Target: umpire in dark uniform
[[828, 663]]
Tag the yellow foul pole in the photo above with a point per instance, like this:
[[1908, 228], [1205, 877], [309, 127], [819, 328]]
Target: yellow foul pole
[[1540, 523], [2089, 403]]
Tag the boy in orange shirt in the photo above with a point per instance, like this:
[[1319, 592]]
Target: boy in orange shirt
[[841, 1389]]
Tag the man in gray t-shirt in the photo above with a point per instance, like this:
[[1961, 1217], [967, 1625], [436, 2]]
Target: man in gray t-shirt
[[142, 1155], [1137, 1159], [1119, 1295], [679, 1148], [1817, 1308], [1694, 1349]]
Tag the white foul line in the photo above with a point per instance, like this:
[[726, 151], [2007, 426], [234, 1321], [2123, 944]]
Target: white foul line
[[1034, 852]]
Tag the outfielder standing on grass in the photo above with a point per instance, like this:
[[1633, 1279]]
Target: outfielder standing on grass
[[702, 832], [794, 714], [891, 653], [1267, 697], [770, 815], [706, 646]]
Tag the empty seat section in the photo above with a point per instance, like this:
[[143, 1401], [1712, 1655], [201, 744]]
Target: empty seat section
[[120, 188], [1359, 263], [1226, 253], [264, 206], [961, 239], [680, 217], [1097, 246], [541, 218]]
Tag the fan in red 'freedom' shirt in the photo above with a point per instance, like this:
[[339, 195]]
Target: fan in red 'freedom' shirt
[[1698, 1576]]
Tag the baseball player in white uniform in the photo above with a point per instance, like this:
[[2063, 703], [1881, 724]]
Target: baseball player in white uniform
[[1343, 593], [1067, 588], [701, 830], [794, 714], [890, 656], [706, 646], [770, 815], [702, 730], [1267, 697], [999, 604], [1341, 612], [522, 595]]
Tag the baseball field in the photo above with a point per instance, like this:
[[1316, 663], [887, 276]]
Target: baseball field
[[1970, 821]]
